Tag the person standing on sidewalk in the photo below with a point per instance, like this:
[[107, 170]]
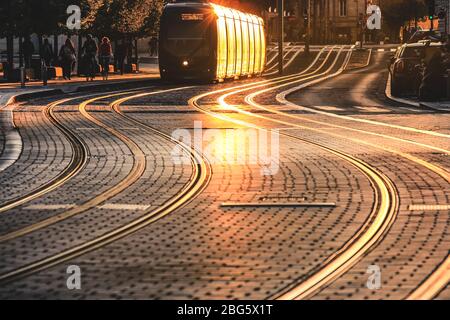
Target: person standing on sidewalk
[[90, 50], [47, 53], [153, 44], [28, 51], [121, 54], [105, 54], [68, 57]]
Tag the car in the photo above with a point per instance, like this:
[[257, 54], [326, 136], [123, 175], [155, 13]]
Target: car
[[431, 35], [405, 66]]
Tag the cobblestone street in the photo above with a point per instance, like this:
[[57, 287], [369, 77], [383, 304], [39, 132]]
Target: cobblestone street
[[356, 180]]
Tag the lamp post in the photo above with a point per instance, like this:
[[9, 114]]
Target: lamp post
[[308, 27], [280, 9]]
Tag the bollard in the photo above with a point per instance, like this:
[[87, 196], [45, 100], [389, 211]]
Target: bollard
[[44, 73], [448, 84], [22, 77]]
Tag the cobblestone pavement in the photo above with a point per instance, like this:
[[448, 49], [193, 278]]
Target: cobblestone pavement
[[208, 249]]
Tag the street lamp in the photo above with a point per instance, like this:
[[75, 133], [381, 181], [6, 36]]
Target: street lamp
[[280, 10]]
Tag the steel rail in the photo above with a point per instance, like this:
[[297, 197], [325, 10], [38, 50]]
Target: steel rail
[[436, 281], [375, 227], [77, 162], [199, 180]]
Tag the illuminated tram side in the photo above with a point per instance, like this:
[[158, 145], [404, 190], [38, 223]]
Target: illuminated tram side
[[241, 45], [209, 41]]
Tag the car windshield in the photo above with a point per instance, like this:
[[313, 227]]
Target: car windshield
[[412, 52]]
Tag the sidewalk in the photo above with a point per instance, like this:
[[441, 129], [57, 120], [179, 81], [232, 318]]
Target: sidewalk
[[146, 72]]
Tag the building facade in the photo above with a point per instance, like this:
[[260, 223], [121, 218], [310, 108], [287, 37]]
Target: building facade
[[443, 6], [332, 21]]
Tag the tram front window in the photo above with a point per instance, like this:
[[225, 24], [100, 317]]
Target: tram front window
[[188, 39]]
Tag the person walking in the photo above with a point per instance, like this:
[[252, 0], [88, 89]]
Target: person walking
[[89, 51], [68, 57], [105, 54], [28, 51], [153, 44], [121, 54], [47, 53]]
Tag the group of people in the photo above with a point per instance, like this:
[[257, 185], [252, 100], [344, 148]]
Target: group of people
[[67, 57], [90, 51]]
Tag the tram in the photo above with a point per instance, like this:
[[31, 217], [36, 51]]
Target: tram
[[205, 41]]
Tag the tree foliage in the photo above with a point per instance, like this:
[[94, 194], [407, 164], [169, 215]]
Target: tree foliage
[[114, 18], [397, 12]]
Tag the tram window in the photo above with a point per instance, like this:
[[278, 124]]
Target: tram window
[[222, 47], [231, 47], [257, 48], [188, 38], [237, 24], [251, 30], [263, 44], [245, 47]]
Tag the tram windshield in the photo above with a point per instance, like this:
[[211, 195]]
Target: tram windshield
[[188, 38]]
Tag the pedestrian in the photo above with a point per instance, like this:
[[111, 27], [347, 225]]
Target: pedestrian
[[153, 44], [89, 51], [47, 53], [28, 51], [68, 57], [105, 54], [121, 54]]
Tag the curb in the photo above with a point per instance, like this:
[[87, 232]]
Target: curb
[[41, 93]]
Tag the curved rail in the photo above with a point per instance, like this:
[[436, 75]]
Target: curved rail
[[199, 180], [77, 162], [368, 235]]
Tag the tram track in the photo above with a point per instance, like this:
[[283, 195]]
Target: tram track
[[77, 161], [80, 150], [436, 281], [377, 225], [201, 174], [368, 236]]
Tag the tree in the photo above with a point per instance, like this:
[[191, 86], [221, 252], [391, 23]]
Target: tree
[[397, 12], [118, 18]]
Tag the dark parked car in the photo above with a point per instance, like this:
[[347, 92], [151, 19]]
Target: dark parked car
[[431, 35], [406, 66]]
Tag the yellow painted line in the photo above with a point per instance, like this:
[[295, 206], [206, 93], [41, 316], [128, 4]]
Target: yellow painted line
[[124, 206], [49, 206], [429, 207], [277, 204]]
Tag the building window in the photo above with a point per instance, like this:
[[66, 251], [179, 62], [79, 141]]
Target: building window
[[342, 8]]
